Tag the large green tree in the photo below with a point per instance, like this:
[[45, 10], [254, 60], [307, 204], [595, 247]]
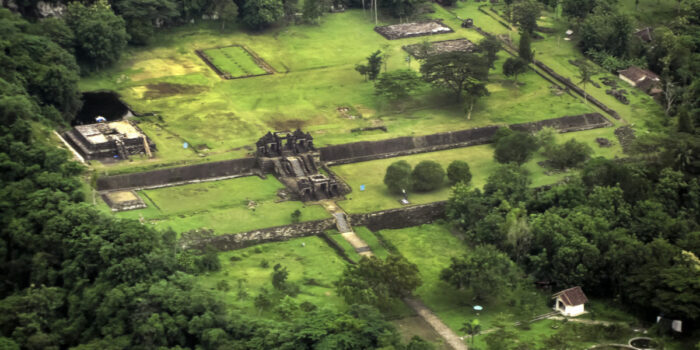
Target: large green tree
[[427, 175], [485, 271], [398, 176], [378, 282], [456, 71], [260, 14], [100, 35]]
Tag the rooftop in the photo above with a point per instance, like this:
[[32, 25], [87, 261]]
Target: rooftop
[[572, 296], [102, 132], [637, 74]]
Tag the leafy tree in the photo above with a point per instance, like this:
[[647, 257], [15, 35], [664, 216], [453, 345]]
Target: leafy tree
[[227, 11], [457, 71], [374, 65], [466, 207], [279, 276], [458, 171], [397, 84], [263, 300], [296, 216], [577, 9], [569, 154], [417, 343], [142, 16], [485, 271], [290, 9], [377, 282], [509, 182], [684, 123], [606, 32], [526, 13], [398, 176], [427, 176], [362, 69], [525, 51], [312, 11], [513, 67], [100, 35], [490, 45], [401, 8], [517, 147], [260, 14]]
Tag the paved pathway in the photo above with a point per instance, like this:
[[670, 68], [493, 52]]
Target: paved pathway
[[452, 339], [361, 247]]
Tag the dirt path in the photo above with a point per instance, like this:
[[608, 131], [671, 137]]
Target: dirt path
[[361, 247], [445, 332]]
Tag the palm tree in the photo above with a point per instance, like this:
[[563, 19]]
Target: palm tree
[[585, 74], [472, 328]]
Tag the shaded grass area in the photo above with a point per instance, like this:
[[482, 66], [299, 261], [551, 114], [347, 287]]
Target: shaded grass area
[[480, 159], [316, 76], [372, 241], [226, 206], [235, 61], [313, 267], [345, 245]]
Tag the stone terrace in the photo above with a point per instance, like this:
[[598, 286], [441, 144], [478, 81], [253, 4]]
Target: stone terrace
[[407, 30]]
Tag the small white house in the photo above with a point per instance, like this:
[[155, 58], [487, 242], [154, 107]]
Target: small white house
[[570, 302]]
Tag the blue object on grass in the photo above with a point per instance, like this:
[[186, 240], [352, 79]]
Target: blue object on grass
[[362, 187], [185, 145]]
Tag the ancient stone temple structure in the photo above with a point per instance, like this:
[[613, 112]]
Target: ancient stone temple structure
[[117, 140], [293, 158]]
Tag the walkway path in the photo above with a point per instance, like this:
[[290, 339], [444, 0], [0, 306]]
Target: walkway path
[[361, 247], [452, 339]]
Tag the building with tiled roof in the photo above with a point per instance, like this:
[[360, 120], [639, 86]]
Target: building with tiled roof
[[570, 302]]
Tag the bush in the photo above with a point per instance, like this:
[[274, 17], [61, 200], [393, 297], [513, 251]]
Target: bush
[[458, 171], [427, 176], [398, 176], [518, 147], [569, 154]]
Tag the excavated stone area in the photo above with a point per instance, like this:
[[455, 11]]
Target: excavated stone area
[[407, 30], [438, 47]]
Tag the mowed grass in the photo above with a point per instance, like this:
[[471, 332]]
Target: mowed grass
[[234, 60], [316, 75], [226, 206], [311, 263]]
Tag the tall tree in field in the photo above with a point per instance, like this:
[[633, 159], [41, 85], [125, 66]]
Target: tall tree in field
[[485, 271], [460, 72], [312, 11], [374, 65], [377, 282], [259, 14], [513, 67], [100, 35], [227, 11], [142, 16], [398, 176], [525, 51], [490, 47], [585, 73], [397, 84], [525, 14]]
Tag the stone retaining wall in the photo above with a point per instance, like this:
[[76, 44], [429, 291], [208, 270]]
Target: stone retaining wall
[[385, 219], [271, 234], [370, 150], [179, 175], [400, 217]]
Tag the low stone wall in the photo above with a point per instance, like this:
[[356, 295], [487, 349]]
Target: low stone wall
[[271, 234], [177, 176], [400, 217], [370, 150]]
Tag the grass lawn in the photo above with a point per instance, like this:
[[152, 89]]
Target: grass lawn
[[480, 159], [372, 241], [234, 60], [222, 206], [431, 247], [221, 119], [347, 247], [313, 267]]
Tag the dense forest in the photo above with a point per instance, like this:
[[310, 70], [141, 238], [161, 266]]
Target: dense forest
[[72, 277]]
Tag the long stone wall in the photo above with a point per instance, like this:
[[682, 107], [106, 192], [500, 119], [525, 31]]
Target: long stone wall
[[369, 150], [386, 219], [400, 217], [179, 175], [271, 234]]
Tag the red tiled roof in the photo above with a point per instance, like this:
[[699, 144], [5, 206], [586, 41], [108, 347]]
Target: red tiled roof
[[572, 296], [644, 34]]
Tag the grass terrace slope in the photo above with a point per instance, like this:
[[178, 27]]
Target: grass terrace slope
[[221, 119], [226, 206], [234, 62]]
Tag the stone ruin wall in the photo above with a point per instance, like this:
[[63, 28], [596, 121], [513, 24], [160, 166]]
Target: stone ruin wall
[[179, 175], [370, 150], [386, 219]]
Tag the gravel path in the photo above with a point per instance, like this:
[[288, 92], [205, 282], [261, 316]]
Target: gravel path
[[445, 332]]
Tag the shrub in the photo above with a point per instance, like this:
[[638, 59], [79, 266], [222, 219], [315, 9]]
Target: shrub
[[398, 176], [517, 147], [427, 176], [458, 171], [569, 154]]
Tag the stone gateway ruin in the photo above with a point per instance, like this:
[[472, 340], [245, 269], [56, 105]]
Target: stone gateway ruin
[[292, 157]]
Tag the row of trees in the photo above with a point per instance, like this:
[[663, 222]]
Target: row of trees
[[428, 175]]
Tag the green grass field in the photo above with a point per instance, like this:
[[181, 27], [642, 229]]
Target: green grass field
[[235, 61], [313, 267], [221, 119], [480, 159], [223, 206]]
